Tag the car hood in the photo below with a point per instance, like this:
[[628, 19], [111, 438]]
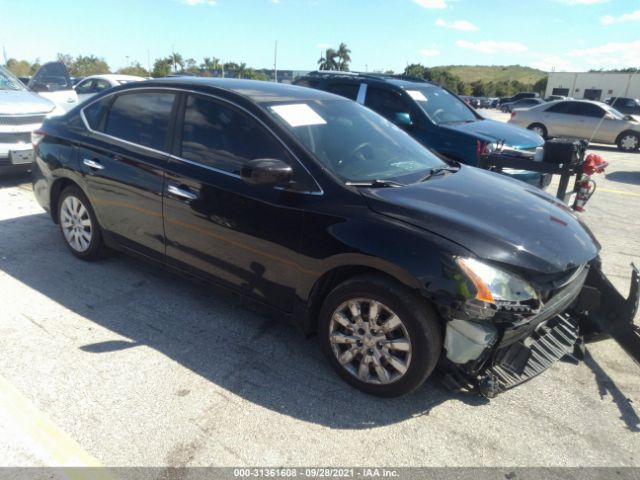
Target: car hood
[[491, 130], [17, 102], [497, 218]]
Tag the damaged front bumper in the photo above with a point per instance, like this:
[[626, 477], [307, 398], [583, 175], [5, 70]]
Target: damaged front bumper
[[490, 359]]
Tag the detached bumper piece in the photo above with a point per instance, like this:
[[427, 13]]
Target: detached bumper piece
[[605, 313], [527, 358]]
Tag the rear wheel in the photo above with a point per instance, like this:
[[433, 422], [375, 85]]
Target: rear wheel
[[629, 142], [539, 129], [379, 336], [78, 224]]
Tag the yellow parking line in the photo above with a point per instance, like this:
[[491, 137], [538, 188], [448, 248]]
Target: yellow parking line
[[621, 192], [57, 448]]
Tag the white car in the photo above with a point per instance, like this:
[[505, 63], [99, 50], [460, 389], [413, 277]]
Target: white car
[[94, 84]]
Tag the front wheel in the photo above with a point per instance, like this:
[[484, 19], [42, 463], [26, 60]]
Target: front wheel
[[78, 224], [539, 129], [379, 336], [629, 142]]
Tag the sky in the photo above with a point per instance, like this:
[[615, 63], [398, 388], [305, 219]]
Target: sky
[[560, 35]]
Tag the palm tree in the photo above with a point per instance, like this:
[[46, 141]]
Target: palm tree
[[177, 60], [328, 62], [344, 57]]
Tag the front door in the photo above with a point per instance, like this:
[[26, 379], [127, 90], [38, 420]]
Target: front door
[[244, 236]]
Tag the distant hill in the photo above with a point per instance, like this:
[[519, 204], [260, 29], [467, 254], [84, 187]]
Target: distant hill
[[495, 73]]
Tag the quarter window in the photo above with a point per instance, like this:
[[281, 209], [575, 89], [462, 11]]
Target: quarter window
[[347, 90], [222, 137], [141, 118]]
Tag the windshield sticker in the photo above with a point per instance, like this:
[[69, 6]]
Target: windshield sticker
[[298, 115], [417, 95]]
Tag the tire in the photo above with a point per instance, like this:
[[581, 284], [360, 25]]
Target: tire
[[78, 224], [392, 363], [539, 129], [628, 141]]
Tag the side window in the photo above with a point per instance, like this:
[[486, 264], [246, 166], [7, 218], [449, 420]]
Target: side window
[[348, 90], [85, 86], [141, 118], [569, 108], [101, 85], [385, 102], [94, 113], [222, 137], [590, 110]]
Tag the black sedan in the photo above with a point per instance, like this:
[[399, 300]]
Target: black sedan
[[330, 216], [522, 103]]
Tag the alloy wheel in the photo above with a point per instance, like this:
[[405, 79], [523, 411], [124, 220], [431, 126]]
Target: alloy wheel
[[370, 341], [76, 224], [629, 142]]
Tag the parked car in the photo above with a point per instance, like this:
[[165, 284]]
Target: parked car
[[522, 103], [628, 106], [330, 216], [52, 82], [89, 86], [485, 102], [594, 121], [434, 116], [551, 98], [518, 96], [21, 112]]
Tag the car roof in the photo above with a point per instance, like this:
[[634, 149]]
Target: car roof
[[402, 81], [258, 91], [114, 76]]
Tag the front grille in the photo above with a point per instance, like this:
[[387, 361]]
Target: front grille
[[15, 137], [527, 358], [13, 120]]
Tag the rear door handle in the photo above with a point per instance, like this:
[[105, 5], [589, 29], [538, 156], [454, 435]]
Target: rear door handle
[[93, 164], [181, 192]]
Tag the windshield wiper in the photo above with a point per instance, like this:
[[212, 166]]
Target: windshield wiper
[[376, 183], [438, 171]]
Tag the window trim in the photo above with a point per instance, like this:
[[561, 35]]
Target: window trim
[[181, 93]]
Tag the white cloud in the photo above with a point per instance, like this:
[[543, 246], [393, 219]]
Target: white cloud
[[323, 46], [491, 46], [582, 2], [432, 3], [277, 2], [625, 17], [463, 25], [554, 63], [193, 3], [429, 52], [609, 55]]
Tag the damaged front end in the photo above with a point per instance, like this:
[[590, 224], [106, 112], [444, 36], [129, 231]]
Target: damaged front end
[[506, 332]]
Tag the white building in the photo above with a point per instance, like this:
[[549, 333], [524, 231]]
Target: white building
[[594, 85]]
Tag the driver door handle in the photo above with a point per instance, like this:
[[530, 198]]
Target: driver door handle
[[181, 192], [93, 164]]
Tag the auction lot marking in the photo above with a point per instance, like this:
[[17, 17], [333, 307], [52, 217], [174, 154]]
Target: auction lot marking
[[53, 444]]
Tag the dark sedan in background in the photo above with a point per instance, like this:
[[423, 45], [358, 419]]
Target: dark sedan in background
[[522, 103], [329, 215]]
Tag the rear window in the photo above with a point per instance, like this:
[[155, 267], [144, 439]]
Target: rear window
[[141, 118]]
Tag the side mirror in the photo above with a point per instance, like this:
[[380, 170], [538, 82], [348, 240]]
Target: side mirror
[[403, 119], [266, 171], [608, 116]]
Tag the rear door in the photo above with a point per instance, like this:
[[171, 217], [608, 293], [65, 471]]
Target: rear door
[[124, 166], [589, 121], [244, 236], [52, 81], [560, 119]]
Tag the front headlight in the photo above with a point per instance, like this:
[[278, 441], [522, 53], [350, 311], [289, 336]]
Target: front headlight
[[500, 289]]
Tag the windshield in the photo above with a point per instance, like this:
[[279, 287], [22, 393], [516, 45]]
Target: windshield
[[441, 106], [355, 143], [8, 81]]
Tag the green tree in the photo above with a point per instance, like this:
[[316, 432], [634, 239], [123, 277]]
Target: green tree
[[417, 70], [83, 66], [541, 85], [20, 68], [134, 69], [344, 57], [177, 61], [66, 59], [329, 61], [192, 67], [162, 67]]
